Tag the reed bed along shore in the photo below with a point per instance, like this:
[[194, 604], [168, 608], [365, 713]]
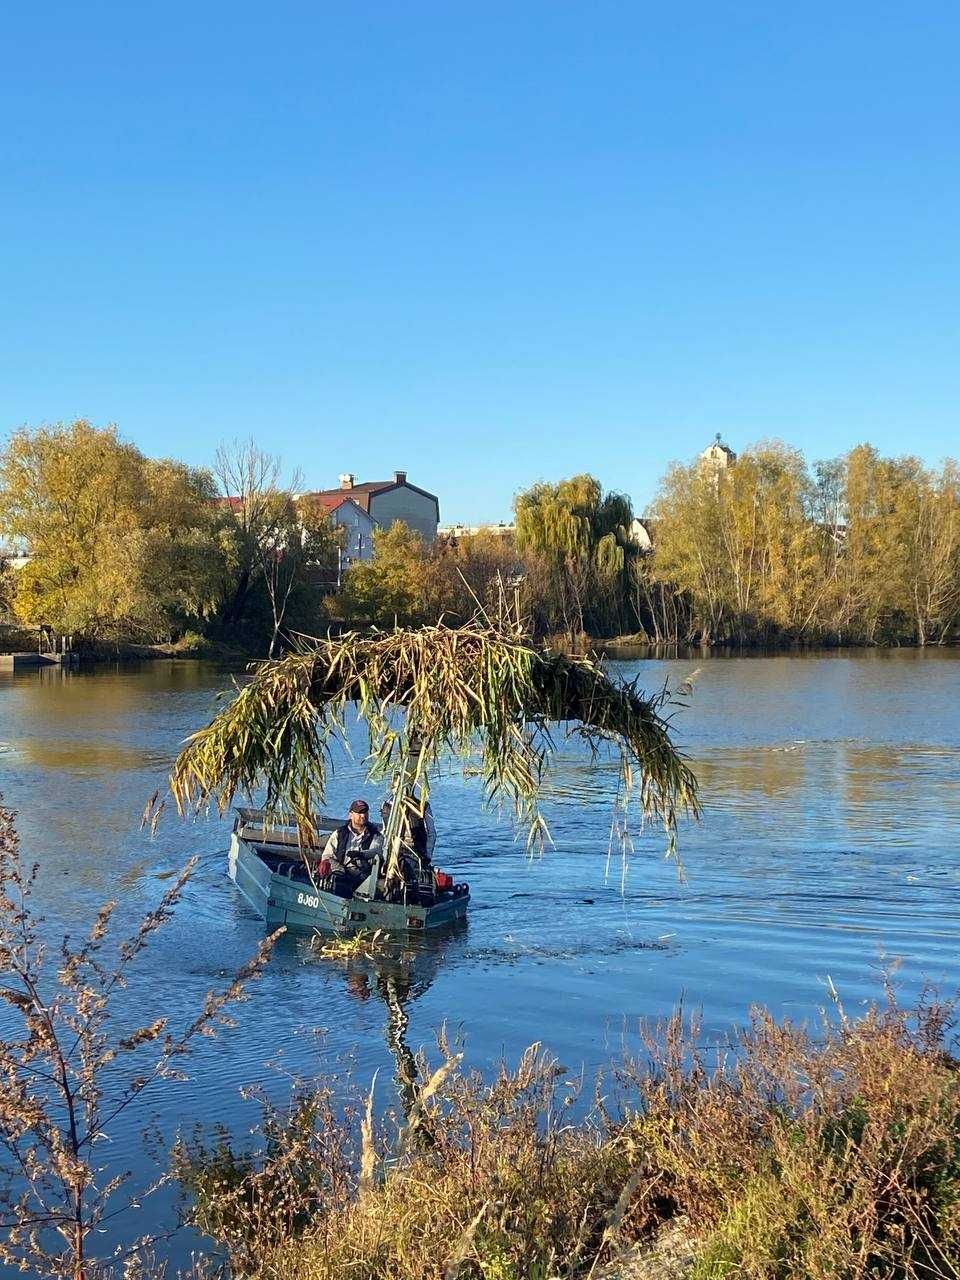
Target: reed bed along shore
[[826, 1152]]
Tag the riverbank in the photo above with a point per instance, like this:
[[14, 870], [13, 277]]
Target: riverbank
[[627, 647], [191, 647], [619, 648], [15, 640], [787, 1155], [23, 640]]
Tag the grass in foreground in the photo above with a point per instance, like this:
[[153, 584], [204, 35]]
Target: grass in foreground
[[792, 1156]]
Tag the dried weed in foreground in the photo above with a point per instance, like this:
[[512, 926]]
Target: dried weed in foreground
[[788, 1156], [66, 1078]]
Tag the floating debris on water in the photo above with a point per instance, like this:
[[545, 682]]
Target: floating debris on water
[[364, 943]]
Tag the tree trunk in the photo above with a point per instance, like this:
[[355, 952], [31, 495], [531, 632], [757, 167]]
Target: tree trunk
[[235, 609]]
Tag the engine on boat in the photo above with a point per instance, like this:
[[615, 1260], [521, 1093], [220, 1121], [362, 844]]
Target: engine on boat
[[422, 887]]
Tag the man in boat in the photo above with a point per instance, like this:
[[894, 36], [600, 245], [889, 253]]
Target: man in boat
[[353, 846]]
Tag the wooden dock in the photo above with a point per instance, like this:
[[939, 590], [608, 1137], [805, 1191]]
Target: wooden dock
[[54, 649], [24, 661]]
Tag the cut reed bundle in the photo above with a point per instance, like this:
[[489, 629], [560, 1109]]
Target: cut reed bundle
[[482, 691]]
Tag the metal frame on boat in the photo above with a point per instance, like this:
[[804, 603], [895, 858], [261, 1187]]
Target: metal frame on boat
[[268, 866]]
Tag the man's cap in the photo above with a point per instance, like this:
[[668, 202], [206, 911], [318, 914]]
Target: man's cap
[[359, 806]]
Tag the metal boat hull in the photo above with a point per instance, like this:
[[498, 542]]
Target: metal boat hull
[[298, 904]]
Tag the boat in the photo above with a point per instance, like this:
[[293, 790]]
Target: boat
[[268, 866]]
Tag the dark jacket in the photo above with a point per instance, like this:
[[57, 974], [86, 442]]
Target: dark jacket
[[357, 861]]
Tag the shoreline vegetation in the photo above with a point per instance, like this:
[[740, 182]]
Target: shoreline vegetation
[[618, 648], [782, 1152], [762, 550]]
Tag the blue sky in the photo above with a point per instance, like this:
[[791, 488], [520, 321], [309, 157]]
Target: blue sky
[[486, 242]]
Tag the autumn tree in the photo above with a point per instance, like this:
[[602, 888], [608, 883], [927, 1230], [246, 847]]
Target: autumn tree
[[933, 555], [739, 544], [6, 586], [279, 548], [253, 507], [297, 565], [478, 569], [899, 576], [119, 545], [403, 583], [577, 541]]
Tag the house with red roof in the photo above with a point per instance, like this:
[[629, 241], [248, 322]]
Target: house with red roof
[[357, 524], [383, 502], [360, 508]]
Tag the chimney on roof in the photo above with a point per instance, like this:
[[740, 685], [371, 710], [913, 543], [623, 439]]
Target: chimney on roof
[[399, 477], [346, 480]]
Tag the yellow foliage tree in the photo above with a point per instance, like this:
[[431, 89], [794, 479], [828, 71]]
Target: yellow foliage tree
[[118, 544], [899, 576], [404, 582], [740, 543]]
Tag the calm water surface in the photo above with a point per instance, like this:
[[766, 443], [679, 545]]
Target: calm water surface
[[830, 845]]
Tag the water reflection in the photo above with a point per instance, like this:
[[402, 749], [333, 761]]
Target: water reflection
[[80, 755], [848, 790], [397, 972], [771, 773]]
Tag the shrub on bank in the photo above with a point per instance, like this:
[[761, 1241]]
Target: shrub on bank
[[787, 1156]]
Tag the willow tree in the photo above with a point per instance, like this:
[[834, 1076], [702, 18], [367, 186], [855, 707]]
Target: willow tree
[[582, 539], [426, 695]]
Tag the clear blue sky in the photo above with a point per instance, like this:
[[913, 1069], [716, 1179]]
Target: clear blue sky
[[487, 242]]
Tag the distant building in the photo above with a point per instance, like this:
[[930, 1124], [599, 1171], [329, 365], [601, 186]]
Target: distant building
[[357, 525], [717, 456], [452, 532], [641, 533], [14, 557], [385, 501]]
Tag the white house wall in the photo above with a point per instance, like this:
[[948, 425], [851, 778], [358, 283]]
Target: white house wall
[[358, 530]]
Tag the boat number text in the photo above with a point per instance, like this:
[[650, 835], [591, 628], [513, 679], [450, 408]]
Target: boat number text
[[307, 900]]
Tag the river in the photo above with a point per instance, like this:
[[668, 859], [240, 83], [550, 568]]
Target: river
[[829, 849]]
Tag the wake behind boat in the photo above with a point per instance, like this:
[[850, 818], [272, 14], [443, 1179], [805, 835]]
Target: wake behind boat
[[281, 881]]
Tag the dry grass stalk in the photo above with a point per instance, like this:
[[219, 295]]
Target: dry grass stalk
[[67, 1078], [368, 1153], [464, 1245]]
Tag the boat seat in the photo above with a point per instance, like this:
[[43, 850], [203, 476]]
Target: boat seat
[[278, 828]]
